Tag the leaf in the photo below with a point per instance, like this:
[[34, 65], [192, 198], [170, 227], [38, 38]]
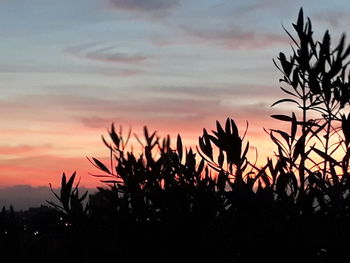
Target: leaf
[[346, 53], [70, 182], [295, 80], [293, 127], [179, 146], [63, 181], [291, 37], [54, 192], [114, 136], [283, 134], [228, 126], [205, 145], [200, 166], [299, 147], [282, 117], [266, 179], [127, 138], [325, 156], [63, 187], [285, 100], [101, 165], [215, 141], [234, 128], [145, 133], [278, 143], [326, 44], [106, 143], [286, 65], [219, 129], [245, 150], [333, 173], [340, 46], [109, 181], [221, 158], [83, 197]]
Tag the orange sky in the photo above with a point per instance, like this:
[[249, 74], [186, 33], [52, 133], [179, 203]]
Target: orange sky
[[66, 151]]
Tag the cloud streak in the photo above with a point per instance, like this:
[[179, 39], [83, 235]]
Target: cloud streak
[[22, 149], [155, 10], [184, 110], [145, 5], [172, 103], [108, 54], [333, 18], [234, 38], [258, 5], [69, 69]]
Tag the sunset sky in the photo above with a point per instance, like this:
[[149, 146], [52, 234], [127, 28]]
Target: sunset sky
[[68, 69]]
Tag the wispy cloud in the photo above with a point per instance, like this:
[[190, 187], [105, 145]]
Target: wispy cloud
[[202, 92], [22, 149], [333, 18], [234, 38], [163, 103], [256, 5], [145, 5], [150, 8], [98, 122], [70, 69], [105, 53]]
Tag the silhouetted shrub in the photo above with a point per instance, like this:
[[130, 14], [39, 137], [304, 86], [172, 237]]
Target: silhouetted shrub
[[176, 204]]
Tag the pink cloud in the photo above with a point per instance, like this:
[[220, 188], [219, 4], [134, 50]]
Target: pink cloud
[[235, 38], [22, 149], [172, 105]]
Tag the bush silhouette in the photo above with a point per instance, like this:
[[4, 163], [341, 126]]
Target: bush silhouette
[[175, 204]]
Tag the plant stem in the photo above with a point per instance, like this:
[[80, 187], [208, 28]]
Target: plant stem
[[302, 162], [303, 157], [329, 120]]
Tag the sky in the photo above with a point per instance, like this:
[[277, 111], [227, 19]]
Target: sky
[[68, 69]]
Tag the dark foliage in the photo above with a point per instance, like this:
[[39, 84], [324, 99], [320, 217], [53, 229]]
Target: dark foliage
[[174, 204]]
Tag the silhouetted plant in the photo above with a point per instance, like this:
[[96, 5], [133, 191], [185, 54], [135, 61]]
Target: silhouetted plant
[[70, 204], [151, 181], [217, 205], [317, 78]]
